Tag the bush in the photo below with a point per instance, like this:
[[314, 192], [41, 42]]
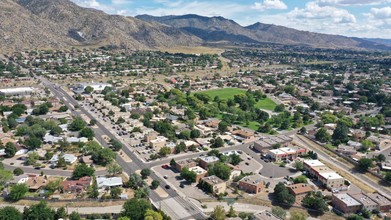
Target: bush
[[18, 172]]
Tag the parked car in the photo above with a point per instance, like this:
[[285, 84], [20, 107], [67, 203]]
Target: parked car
[[165, 166], [167, 187], [165, 177]]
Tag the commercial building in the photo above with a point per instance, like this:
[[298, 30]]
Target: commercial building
[[207, 160], [251, 184], [97, 87], [201, 173], [158, 143], [345, 203], [366, 202], [20, 91], [268, 142], [213, 184], [382, 201], [284, 153], [332, 180], [179, 165]]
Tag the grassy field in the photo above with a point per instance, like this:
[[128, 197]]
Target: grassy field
[[226, 93], [267, 104]]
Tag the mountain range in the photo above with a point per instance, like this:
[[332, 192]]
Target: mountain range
[[29, 24]]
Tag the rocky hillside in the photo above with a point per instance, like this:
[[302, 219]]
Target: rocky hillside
[[221, 29], [60, 23]]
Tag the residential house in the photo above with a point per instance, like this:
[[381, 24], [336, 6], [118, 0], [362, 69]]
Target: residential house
[[104, 182], [300, 189], [76, 186]]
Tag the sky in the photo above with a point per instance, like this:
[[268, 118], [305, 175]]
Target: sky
[[356, 18]]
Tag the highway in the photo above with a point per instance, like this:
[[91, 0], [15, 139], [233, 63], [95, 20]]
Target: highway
[[136, 164]]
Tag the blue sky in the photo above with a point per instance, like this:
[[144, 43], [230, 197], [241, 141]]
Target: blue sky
[[359, 18]]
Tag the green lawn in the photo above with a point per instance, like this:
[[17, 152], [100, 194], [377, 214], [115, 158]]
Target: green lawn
[[267, 104], [226, 93], [252, 125], [229, 93]]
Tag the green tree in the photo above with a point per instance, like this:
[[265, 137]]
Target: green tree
[[218, 213], [322, 135], [217, 143], [223, 126], [39, 211], [10, 150], [231, 212], [145, 173], [366, 145], [364, 164], [381, 158], [387, 176], [354, 217], [279, 108], [195, 133], [235, 159], [282, 195], [18, 191], [113, 168], [87, 133], [92, 122], [82, 170], [188, 175], [115, 145], [18, 171], [77, 124], [299, 165], [103, 156], [135, 209], [340, 134], [279, 212], [74, 216], [221, 170], [56, 130], [152, 215], [92, 191], [88, 90], [300, 179], [115, 192], [10, 213], [172, 162], [33, 143], [315, 201], [61, 213], [5, 176], [155, 184], [164, 151]]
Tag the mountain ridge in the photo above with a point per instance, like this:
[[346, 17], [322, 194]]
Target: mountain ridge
[[58, 24]]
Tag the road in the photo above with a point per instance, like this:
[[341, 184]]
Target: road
[[324, 156], [192, 211]]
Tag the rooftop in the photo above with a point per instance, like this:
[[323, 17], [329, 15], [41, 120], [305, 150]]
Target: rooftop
[[209, 159], [380, 199], [348, 200], [313, 163], [300, 188], [330, 175], [364, 199], [198, 170], [212, 180], [253, 180]]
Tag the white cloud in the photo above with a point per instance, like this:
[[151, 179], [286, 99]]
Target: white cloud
[[313, 11], [350, 2], [120, 2], [270, 4], [95, 4], [381, 13]]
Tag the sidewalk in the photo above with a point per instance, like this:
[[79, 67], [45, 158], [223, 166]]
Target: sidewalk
[[239, 207]]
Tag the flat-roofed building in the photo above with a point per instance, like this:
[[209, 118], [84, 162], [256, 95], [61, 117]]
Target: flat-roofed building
[[332, 180], [345, 203], [366, 202], [382, 201], [158, 143], [286, 153], [208, 160], [201, 173], [251, 184], [213, 184], [18, 91], [267, 142], [179, 165]]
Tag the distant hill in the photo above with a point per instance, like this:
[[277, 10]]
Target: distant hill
[[221, 29], [30, 24], [60, 23]]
